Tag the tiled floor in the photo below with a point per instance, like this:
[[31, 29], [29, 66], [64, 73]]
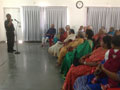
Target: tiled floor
[[33, 69]]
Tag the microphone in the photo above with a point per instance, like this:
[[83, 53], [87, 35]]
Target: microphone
[[17, 21]]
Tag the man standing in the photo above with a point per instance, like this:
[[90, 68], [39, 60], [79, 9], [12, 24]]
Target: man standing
[[49, 35], [9, 33]]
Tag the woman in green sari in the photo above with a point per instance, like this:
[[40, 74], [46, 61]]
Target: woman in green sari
[[82, 49]]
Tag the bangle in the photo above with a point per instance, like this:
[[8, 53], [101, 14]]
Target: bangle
[[84, 63]]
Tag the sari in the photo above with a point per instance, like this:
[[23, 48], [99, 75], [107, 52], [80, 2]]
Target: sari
[[75, 72], [98, 36], [64, 49], [54, 50], [56, 38], [83, 49], [97, 39], [112, 64], [84, 83]]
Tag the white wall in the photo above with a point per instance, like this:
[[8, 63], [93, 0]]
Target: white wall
[[76, 17], [2, 33], [0, 20]]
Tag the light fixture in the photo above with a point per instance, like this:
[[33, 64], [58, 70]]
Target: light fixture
[[20, 41]]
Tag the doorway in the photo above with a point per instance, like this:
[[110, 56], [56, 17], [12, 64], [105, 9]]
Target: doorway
[[15, 14]]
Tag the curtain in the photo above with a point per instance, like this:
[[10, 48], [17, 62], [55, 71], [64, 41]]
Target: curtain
[[33, 23], [56, 16], [37, 20], [106, 16]]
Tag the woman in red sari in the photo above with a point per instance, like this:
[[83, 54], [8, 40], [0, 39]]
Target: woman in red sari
[[91, 62], [55, 48]]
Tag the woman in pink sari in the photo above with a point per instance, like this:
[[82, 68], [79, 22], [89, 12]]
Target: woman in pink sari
[[90, 63]]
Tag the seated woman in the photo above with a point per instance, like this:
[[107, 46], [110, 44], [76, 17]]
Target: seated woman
[[81, 29], [61, 36], [98, 37], [54, 50], [117, 32], [109, 77], [79, 39], [111, 31], [56, 38], [72, 57], [89, 65]]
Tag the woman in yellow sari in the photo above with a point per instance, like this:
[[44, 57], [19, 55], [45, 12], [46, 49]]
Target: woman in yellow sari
[[71, 45]]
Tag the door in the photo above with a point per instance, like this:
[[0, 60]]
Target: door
[[15, 14]]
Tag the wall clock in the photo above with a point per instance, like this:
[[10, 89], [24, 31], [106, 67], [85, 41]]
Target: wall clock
[[79, 4]]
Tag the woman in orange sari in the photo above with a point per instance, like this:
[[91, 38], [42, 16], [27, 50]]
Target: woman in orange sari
[[91, 61], [70, 45]]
